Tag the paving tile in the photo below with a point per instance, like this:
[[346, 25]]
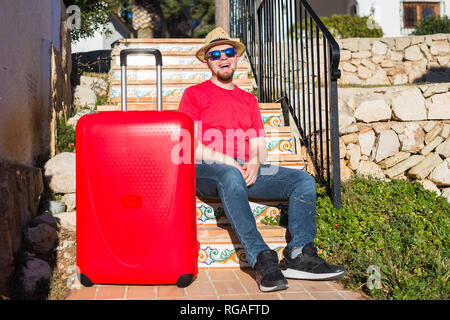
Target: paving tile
[[200, 288], [216, 274], [266, 296], [316, 286], [229, 287], [109, 292], [82, 293], [330, 295], [286, 295], [352, 295], [141, 292], [295, 286], [170, 292], [234, 297]]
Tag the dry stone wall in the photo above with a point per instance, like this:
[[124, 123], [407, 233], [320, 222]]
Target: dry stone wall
[[397, 132], [395, 61]]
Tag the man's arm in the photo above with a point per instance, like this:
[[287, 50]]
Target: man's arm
[[257, 156], [258, 150]]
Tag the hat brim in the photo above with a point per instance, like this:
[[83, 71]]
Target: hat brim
[[200, 54]]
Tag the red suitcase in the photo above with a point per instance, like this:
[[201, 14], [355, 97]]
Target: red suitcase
[[135, 202]]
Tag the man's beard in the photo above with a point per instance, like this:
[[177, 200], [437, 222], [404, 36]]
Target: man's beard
[[225, 77]]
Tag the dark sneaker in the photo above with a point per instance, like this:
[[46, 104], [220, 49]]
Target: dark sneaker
[[268, 273], [309, 266]]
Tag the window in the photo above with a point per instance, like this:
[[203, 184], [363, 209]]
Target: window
[[413, 12]]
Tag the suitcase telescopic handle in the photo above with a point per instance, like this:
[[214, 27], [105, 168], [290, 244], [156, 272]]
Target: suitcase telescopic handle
[[123, 64]]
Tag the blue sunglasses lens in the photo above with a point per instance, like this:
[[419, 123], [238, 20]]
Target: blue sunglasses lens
[[215, 55]]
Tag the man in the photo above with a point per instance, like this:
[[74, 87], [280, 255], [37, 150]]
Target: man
[[223, 113]]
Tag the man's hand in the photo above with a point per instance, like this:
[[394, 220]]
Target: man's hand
[[250, 172]]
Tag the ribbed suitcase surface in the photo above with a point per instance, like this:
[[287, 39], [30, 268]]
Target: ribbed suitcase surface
[[135, 203]]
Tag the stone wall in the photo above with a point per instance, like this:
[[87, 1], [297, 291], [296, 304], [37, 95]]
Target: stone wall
[[35, 87], [397, 132], [395, 61]]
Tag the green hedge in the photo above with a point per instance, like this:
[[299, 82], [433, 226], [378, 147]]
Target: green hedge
[[347, 26], [397, 226], [432, 25]]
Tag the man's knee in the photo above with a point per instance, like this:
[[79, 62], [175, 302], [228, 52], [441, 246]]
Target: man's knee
[[305, 184], [231, 177]]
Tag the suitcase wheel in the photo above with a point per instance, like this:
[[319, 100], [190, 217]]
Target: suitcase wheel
[[185, 280], [84, 280]]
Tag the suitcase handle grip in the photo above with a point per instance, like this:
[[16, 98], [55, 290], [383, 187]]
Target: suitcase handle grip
[[124, 53], [123, 64]]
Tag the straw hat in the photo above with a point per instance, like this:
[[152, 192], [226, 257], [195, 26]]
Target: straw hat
[[217, 37]]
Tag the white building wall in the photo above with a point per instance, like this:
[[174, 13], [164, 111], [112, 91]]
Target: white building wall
[[97, 42], [389, 15], [28, 28]]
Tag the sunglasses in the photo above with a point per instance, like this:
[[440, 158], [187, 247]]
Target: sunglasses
[[216, 54]]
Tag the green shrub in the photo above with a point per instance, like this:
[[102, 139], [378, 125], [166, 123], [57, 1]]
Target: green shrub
[[346, 26], [432, 25], [397, 226], [65, 141]]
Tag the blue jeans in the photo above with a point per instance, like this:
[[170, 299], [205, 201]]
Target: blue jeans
[[227, 183]]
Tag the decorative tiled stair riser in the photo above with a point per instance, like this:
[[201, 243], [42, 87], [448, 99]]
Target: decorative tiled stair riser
[[224, 255], [168, 60], [211, 212], [142, 94], [200, 76]]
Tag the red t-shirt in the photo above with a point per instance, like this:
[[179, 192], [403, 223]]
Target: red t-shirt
[[226, 119]]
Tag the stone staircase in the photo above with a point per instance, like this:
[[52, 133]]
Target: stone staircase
[[219, 246]]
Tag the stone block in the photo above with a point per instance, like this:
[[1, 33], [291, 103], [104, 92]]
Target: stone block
[[379, 48], [373, 109], [392, 161], [366, 141], [60, 173], [401, 43], [443, 149], [404, 165], [361, 54], [441, 174], [379, 78], [432, 145], [439, 107], [413, 53], [387, 145], [440, 48], [369, 169], [445, 133], [395, 55], [433, 133], [409, 105], [20, 192], [423, 169], [412, 138], [364, 72]]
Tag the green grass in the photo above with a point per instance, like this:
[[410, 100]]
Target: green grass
[[397, 226]]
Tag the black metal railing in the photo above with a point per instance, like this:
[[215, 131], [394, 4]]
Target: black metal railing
[[295, 58]]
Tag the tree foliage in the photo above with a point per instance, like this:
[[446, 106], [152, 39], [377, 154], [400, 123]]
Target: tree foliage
[[432, 25], [189, 18], [94, 16]]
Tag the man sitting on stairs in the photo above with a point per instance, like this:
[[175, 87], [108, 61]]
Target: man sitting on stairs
[[236, 171]]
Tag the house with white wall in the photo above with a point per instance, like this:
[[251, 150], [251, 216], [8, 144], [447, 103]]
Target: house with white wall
[[395, 17], [100, 40]]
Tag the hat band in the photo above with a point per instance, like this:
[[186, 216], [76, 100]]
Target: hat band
[[220, 39]]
